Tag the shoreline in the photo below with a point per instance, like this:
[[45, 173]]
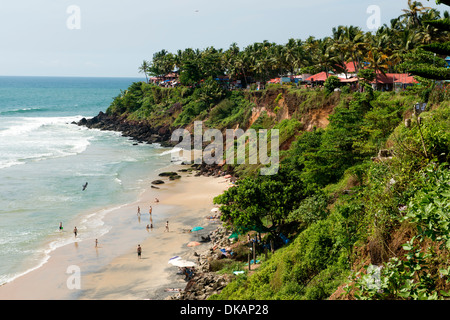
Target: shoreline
[[112, 270]]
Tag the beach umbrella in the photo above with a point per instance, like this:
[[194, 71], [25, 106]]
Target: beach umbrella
[[173, 259], [183, 263], [234, 235], [198, 228], [193, 244]]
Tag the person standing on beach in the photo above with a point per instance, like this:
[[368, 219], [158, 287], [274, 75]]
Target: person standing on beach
[[150, 210], [139, 211], [75, 231], [139, 251], [167, 226]]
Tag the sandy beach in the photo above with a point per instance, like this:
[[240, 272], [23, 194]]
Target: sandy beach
[[112, 270]]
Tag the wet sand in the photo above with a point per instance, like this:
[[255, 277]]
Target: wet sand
[[112, 270]]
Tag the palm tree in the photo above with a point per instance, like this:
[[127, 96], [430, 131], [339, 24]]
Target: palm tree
[[339, 46], [144, 68], [354, 43], [429, 32], [378, 61], [412, 14], [293, 55], [324, 58], [229, 61]]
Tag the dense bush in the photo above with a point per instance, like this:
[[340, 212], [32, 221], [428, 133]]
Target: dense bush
[[329, 197]]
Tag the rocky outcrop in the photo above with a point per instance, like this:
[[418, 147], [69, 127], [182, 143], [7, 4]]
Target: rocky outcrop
[[200, 288], [206, 283], [144, 132], [215, 170], [140, 131]]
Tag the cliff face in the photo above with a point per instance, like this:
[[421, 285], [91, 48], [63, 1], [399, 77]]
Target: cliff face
[[261, 109]]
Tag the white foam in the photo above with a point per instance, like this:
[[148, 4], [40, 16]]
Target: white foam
[[173, 150], [9, 163], [35, 139], [23, 125]]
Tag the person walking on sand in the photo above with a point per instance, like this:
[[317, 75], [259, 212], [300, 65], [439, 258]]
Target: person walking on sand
[[75, 231], [139, 251], [167, 226], [150, 210], [139, 211]]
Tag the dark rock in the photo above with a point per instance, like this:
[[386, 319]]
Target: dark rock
[[167, 174], [157, 182], [141, 131]]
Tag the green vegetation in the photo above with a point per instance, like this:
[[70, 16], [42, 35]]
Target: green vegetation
[[431, 71], [418, 29], [347, 208], [368, 188]]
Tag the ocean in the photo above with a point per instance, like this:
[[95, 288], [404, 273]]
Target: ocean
[[45, 160]]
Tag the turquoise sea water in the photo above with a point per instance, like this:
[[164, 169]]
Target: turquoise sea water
[[45, 160]]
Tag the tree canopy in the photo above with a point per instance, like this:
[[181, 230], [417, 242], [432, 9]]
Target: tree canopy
[[382, 50]]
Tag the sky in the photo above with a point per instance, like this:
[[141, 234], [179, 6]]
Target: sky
[[111, 38]]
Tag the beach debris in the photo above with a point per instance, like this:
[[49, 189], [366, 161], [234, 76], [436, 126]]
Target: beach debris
[[193, 244], [173, 290], [205, 282]]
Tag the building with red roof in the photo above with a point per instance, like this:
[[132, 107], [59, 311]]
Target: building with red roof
[[319, 77], [391, 81]]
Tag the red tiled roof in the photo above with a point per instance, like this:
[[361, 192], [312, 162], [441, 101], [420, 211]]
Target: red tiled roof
[[276, 80], [350, 67], [349, 80], [394, 78], [322, 76]]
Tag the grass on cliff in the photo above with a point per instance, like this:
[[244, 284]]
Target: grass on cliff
[[368, 202], [363, 202]]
